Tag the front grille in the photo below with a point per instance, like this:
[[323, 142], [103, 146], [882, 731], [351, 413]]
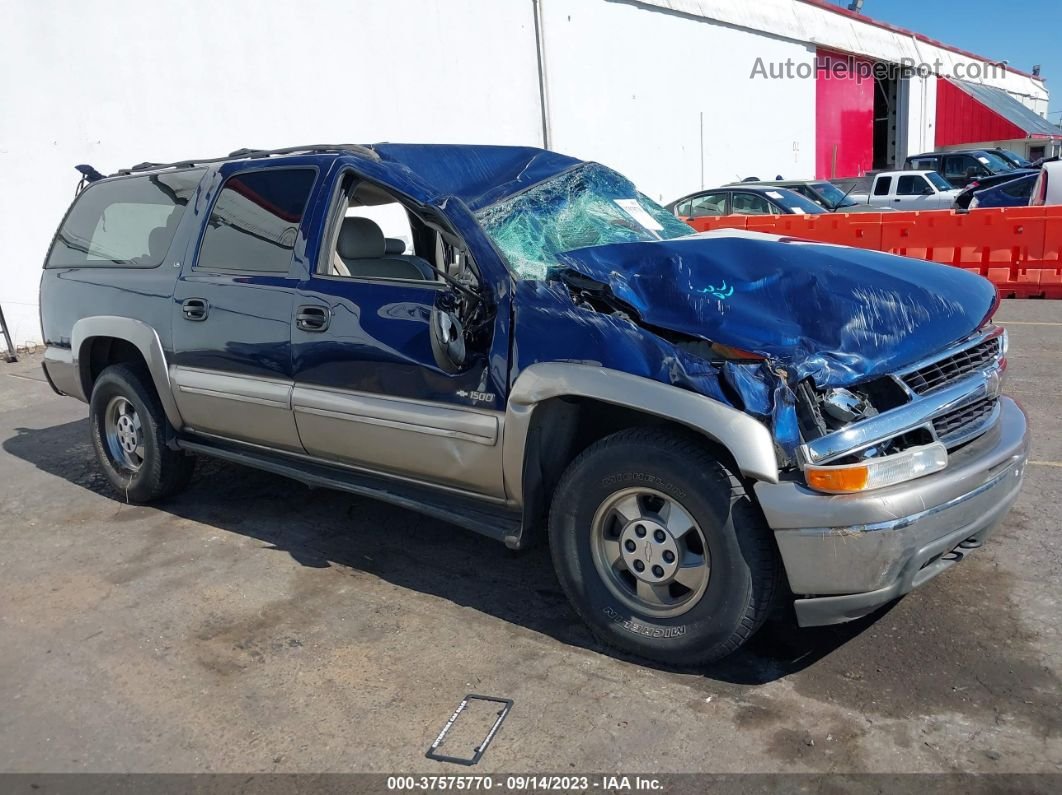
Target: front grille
[[964, 421], [954, 367]]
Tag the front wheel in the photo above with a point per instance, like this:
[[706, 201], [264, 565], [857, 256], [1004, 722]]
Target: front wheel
[[659, 548]]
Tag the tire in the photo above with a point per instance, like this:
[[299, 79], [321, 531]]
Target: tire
[[132, 452], [707, 615]]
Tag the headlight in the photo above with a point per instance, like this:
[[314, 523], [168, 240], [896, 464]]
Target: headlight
[[875, 473]]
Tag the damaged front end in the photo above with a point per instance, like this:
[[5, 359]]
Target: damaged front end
[[819, 341], [816, 341]]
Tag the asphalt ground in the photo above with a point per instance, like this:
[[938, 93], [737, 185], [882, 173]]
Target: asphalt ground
[[253, 625]]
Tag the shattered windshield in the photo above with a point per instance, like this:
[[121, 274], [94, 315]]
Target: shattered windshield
[[589, 205]]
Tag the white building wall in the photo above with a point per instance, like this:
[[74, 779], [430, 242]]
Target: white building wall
[[918, 116], [117, 82], [627, 86]]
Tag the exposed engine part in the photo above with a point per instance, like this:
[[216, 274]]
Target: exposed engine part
[[846, 406], [809, 417]]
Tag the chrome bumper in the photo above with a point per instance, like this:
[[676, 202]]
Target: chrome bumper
[[846, 555]]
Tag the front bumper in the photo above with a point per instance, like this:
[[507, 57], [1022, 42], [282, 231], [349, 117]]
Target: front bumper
[[846, 555]]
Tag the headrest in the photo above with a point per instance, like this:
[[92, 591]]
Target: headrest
[[394, 246], [360, 238]]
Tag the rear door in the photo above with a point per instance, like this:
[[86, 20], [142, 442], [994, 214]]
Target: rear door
[[231, 364], [881, 194]]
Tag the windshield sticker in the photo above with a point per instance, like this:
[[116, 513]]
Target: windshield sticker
[[722, 292], [774, 194], [983, 160], [638, 213]]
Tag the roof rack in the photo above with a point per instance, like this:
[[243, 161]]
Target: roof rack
[[251, 154]]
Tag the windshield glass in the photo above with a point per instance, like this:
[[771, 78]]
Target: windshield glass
[[589, 205], [1015, 159], [794, 202], [938, 181], [832, 195], [993, 162]]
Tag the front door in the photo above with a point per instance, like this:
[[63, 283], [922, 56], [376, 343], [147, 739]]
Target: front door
[[913, 192], [231, 364], [373, 389]]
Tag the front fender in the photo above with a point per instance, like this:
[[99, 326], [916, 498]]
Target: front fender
[[748, 440]]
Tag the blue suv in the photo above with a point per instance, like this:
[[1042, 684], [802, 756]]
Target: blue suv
[[703, 427]]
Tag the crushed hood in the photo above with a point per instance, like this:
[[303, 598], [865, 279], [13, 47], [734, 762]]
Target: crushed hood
[[835, 314]]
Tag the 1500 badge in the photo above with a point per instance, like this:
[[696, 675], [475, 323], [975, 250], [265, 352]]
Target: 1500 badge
[[477, 397]]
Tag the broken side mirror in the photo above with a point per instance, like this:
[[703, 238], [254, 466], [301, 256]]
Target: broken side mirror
[[448, 334]]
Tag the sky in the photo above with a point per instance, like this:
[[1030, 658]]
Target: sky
[[1024, 33]]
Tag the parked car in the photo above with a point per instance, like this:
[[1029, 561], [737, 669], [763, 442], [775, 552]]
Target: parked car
[[821, 192], [960, 167], [999, 192], [908, 190], [1048, 186], [701, 426], [743, 199]]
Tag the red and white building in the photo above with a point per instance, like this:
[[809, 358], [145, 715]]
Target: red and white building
[[678, 94]]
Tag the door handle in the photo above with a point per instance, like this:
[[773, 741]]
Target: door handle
[[312, 317], [194, 309]]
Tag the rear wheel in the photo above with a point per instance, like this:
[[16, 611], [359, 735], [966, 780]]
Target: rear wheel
[[129, 434], [660, 549]]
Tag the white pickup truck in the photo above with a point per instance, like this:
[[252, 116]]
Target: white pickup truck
[[908, 190]]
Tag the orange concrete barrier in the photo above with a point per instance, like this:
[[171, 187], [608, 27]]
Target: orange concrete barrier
[[1019, 249], [1050, 254]]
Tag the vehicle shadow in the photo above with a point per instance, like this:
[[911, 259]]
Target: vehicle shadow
[[321, 528]]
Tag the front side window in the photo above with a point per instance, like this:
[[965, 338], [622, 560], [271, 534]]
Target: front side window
[[127, 221], [378, 237], [708, 204], [255, 221], [953, 167], [751, 204], [912, 185]]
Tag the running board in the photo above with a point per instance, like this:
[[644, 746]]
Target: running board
[[493, 521]]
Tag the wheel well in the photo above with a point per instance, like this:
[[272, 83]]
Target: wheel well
[[561, 428], [99, 353]]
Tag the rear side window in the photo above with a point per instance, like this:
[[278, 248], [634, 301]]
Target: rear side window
[[881, 187], [255, 221], [124, 222]]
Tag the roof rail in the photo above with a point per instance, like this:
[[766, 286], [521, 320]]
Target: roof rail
[[249, 154]]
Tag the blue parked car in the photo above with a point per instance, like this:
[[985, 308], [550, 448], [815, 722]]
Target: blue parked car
[[1013, 193], [520, 343]]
